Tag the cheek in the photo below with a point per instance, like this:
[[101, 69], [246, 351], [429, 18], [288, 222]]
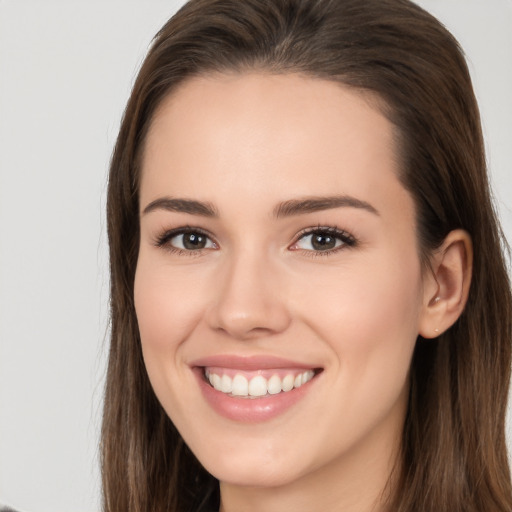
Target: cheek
[[168, 309], [167, 305], [368, 321], [369, 318]]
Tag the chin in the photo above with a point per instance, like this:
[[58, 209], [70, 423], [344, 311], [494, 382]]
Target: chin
[[259, 465], [253, 474]]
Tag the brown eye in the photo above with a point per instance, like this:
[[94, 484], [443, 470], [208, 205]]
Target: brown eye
[[323, 240], [194, 241], [191, 241]]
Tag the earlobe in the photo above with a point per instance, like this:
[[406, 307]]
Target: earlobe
[[447, 285]]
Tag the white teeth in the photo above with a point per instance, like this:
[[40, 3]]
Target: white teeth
[[240, 386], [216, 381], [274, 385], [288, 382], [258, 386], [226, 384]]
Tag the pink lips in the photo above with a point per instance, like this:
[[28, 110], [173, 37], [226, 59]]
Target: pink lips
[[249, 410], [249, 363]]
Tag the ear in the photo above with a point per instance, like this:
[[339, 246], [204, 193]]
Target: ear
[[446, 284]]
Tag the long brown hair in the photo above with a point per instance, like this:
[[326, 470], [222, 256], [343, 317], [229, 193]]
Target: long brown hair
[[453, 455]]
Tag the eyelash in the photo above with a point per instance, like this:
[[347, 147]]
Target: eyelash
[[164, 239], [347, 240]]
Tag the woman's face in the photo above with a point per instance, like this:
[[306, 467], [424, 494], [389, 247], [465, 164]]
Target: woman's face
[[277, 246]]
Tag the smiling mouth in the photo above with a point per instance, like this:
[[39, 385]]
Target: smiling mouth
[[259, 383]]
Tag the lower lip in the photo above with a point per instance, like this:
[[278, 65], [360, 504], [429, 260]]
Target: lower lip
[[250, 410]]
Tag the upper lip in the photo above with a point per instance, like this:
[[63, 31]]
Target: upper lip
[[258, 362]]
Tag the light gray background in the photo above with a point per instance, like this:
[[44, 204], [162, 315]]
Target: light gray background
[[66, 68]]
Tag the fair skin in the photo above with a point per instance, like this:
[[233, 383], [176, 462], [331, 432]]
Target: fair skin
[[230, 275]]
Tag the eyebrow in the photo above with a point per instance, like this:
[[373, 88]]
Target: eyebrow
[[316, 204], [285, 209], [182, 205]]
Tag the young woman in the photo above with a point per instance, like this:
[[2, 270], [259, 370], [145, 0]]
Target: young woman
[[310, 307]]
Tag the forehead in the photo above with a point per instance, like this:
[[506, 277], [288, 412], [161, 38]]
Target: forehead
[[270, 135]]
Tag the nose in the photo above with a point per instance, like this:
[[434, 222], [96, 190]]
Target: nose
[[249, 302]]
